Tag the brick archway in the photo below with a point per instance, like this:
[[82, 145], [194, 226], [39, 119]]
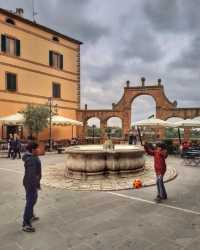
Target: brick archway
[[122, 109]]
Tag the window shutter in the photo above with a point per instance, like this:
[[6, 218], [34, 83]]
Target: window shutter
[[17, 47], [11, 82], [50, 58], [61, 61], [3, 43], [56, 90], [9, 79]]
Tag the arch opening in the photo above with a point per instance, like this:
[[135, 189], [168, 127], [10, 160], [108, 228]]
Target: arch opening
[[143, 107], [93, 127], [114, 127]]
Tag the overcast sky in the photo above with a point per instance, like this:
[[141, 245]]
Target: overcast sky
[[125, 40]]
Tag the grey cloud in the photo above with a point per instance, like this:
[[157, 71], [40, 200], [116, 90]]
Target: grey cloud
[[104, 73], [173, 15], [190, 58], [71, 18], [141, 45], [68, 17]]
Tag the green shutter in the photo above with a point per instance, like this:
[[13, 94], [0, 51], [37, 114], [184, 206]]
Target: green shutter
[[3, 43], [50, 58], [17, 47], [61, 61]]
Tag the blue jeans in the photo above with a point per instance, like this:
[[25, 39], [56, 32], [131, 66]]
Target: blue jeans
[[161, 188], [31, 199]]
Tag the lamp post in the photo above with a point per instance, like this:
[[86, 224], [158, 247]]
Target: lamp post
[[52, 111], [93, 128]]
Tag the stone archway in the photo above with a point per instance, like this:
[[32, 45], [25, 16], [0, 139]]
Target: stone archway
[[122, 109]]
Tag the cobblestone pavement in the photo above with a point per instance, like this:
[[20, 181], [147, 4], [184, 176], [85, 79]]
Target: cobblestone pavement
[[112, 220], [54, 177]]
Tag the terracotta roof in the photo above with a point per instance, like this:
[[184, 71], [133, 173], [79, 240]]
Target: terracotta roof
[[36, 25]]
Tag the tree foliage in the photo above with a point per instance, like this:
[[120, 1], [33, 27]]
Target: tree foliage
[[36, 118]]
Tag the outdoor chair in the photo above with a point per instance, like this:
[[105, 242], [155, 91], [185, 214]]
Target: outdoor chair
[[191, 157]]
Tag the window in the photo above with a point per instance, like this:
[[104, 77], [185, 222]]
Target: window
[[55, 60], [10, 21], [56, 90], [11, 82], [10, 45], [55, 38]]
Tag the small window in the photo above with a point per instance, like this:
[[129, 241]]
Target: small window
[[10, 21], [55, 38], [55, 60], [10, 45], [56, 90], [11, 82]]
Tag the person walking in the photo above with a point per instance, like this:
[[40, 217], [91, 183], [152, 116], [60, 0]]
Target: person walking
[[10, 143], [31, 182], [16, 147], [134, 137], [130, 137], [160, 154]]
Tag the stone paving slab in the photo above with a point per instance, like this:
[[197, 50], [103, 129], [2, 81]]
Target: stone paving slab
[[54, 177]]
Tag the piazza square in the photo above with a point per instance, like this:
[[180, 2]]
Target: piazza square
[[99, 125]]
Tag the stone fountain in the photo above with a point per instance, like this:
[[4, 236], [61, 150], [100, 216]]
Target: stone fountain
[[103, 161]]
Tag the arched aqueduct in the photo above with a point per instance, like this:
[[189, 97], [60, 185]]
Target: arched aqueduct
[[164, 107]]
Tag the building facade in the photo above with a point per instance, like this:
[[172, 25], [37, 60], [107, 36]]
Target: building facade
[[37, 63]]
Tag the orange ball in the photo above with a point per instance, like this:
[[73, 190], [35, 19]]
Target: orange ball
[[137, 183]]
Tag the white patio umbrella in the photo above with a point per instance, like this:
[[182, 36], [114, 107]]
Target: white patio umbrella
[[188, 123], [58, 120], [15, 119], [152, 123], [64, 121]]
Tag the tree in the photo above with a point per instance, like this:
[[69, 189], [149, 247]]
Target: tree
[[36, 118]]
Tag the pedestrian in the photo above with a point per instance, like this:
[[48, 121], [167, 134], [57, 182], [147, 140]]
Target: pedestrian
[[31, 182], [16, 145], [160, 154], [130, 137], [10, 143], [134, 137]]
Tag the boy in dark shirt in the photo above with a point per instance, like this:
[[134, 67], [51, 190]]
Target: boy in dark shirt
[[31, 182], [160, 154]]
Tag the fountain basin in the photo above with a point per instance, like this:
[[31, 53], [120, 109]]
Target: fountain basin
[[93, 161]]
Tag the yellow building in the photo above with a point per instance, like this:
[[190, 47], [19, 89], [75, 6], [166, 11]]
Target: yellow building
[[37, 63]]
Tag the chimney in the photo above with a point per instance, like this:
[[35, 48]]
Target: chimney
[[19, 12]]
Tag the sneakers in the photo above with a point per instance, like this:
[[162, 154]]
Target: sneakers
[[158, 200], [28, 228]]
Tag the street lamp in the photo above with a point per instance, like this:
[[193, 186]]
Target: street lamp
[[93, 128], [52, 111]]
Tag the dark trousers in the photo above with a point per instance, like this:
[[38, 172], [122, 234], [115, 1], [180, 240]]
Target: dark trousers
[[10, 152], [161, 187], [16, 151], [31, 199]]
